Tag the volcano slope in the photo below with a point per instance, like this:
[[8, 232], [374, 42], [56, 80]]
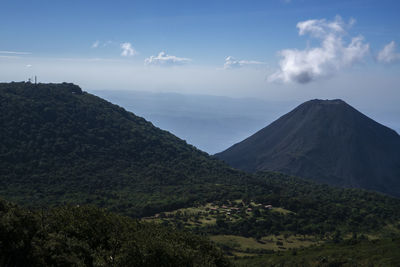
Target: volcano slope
[[327, 141]]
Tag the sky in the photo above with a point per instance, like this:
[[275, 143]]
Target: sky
[[276, 50], [183, 43]]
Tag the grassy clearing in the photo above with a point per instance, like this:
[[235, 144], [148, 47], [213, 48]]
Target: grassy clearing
[[239, 245], [281, 210], [207, 214], [208, 220]]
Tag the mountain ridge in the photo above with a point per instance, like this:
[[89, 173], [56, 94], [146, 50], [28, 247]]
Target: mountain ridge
[[60, 144]]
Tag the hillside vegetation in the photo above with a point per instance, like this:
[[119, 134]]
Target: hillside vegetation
[[298, 207], [61, 145]]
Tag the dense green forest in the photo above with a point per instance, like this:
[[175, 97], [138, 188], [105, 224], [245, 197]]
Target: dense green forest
[[89, 236], [61, 145]]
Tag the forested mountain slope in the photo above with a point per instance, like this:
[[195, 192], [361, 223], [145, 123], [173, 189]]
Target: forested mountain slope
[[59, 144]]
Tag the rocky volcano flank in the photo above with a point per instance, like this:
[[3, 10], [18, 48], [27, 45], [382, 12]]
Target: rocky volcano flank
[[327, 141]]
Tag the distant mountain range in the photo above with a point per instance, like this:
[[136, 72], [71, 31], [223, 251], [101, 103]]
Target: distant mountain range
[[327, 141]]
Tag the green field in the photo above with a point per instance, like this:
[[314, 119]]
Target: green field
[[384, 252], [248, 246]]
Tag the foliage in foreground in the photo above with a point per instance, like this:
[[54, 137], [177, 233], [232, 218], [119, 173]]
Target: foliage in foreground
[[88, 236]]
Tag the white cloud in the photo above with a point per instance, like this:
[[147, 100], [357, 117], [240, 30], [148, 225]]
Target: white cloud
[[231, 62], [28, 65], [162, 59], [127, 50], [321, 28], [388, 54], [15, 53], [333, 54], [96, 44]]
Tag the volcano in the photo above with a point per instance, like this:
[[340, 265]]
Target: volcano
[[327, 141]]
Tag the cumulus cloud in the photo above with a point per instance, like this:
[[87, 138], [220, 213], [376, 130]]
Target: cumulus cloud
[[332, 54], [162, 59], [388, 54], [127, 50], [231, 63]]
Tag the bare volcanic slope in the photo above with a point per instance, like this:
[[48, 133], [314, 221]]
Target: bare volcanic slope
[[327, 141]]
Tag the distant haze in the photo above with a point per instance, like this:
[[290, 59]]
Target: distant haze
[[214, 123]]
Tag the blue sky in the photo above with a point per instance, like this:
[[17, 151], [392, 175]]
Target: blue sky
[[234, 48], [205, 31]]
